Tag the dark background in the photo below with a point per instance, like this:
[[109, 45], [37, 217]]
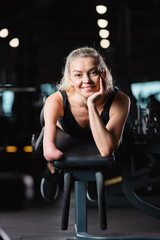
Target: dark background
[[49, 29]]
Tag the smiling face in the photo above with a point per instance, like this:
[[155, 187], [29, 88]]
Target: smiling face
[[85, 75]]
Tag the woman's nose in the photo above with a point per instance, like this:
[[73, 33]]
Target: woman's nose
[[86, 79]]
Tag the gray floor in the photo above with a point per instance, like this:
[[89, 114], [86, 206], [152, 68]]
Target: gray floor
[[42, 222]]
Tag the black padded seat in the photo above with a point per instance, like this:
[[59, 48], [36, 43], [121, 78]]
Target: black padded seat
[[84, 162], [80, 153]]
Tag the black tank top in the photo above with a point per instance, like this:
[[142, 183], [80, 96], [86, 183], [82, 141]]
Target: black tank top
[[71, 126]]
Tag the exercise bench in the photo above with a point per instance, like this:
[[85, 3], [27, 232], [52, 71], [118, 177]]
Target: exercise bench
[[82, 163]]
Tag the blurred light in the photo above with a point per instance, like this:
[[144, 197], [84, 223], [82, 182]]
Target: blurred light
[[14, 42], [103, 33], [102, 23], [4, 33], [47, 89], [27, 149], [29, 186], [105, 43], [157, 97], [7, 102], [11, 149], [101, 9], [113, 181], [144, 90]]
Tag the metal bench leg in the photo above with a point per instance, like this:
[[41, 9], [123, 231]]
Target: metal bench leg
[[66, 201], [101, 201], [81, 207]]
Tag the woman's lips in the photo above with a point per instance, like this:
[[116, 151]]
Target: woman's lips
[[88, 87]]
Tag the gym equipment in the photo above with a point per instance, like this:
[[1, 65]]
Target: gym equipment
[[3, 235], [82, 163]]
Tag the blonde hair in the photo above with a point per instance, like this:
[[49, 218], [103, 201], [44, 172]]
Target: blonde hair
[[65, 84]]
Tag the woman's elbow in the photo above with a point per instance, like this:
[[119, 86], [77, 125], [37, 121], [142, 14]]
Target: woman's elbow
[[108, 150], [106, 153], [47, 153], [47, 156]]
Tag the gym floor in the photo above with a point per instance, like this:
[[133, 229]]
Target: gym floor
[[42, 222]]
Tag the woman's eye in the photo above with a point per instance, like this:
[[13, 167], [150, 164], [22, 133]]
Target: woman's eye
[[77, 75], [94, 73]]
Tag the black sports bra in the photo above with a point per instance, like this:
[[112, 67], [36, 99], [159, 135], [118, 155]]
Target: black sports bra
[[71, 126]]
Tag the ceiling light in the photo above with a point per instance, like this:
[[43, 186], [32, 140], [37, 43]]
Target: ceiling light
[[103, 33], [102, 23], [4, 33], [14, 42], [105, 43], [101, 9]]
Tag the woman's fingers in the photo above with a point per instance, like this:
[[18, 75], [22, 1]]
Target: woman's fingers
[[101, 85]]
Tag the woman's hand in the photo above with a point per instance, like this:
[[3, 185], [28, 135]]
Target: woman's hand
[[95, 97], [51, 153], [55, 155]]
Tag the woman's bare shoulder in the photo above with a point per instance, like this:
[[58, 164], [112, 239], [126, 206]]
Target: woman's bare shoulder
[[122, 97], [54, 105], [55, 98], [121, 103]]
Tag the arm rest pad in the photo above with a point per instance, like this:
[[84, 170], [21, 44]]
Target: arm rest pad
[[84, 162]]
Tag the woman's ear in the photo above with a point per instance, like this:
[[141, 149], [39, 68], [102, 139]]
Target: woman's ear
[[103, 73]]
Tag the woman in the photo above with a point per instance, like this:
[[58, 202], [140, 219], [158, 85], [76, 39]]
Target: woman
[[86, 103]]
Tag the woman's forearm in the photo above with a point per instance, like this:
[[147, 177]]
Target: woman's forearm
[[103, 138], [50, 151]]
